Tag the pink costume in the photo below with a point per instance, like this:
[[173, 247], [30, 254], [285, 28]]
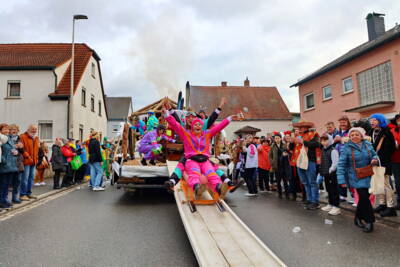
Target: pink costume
[[195, 146]]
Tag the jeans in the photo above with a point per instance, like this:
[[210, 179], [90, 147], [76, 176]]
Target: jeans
[[309, 179], [96, 174], [27, 180], [250, 179], [15, 182], [263, 179], [5, 179], [396, 174]]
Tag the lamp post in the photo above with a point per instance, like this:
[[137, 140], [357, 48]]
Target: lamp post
[[71, 97]]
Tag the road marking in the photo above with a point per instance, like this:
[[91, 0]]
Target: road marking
[[37, 203]]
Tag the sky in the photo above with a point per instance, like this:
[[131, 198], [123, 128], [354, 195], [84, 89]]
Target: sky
[[150, 48]]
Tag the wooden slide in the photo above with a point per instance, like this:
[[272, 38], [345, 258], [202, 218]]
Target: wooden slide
[[221, 238]]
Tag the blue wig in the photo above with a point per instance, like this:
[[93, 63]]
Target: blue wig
[[383, 122]]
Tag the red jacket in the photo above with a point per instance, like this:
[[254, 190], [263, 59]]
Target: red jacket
[[31, 149], [68, 152], [396, 154], [263, 159]]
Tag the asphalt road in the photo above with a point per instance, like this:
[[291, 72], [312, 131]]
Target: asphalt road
[[114, 228]]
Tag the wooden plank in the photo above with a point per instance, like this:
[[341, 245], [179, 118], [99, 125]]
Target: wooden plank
[[171, 165]]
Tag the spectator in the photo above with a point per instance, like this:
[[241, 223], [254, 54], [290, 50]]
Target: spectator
[[384, 145], [310, 140], [275, 157], [358, 153], [8, 166], [16, 181], [31, 152], [42, 165], [329, 161], [69, 153], [264, 166], [331, 130], [80, 173], [396, 157], [294, 149], [251, 164], [95, 161], [58, 162]]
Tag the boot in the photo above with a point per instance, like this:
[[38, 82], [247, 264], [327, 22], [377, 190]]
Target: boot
[[358, 223], [380, 208], [199, 190], [389, 212], [152, 162], [222, 189], [369, 227], [143, 162], [169, 185]]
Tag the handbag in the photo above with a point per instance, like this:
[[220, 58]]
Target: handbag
[[378, 181], [76, 163], [362, 172], [302, 160]]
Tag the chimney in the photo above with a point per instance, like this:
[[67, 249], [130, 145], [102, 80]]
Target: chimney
[[224, 84], [375, 25], [246, 82]]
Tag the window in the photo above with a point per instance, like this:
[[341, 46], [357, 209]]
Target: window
[[45, 130], [309, 101], [81, 132], [14, 89], [93, 70], [347, 85], [92, 103], [327, 92], [99, 108], [115, 128], [83, 100], [376, 84]]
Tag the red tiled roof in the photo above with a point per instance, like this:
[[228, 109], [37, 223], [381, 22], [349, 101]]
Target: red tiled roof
[[261, 103], [46, 55]]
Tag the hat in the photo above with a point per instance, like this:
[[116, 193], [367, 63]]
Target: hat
[[381, 119], [287, 132], [276, 134], [150, 112], [197, 121], [303, 123], [358, 129]]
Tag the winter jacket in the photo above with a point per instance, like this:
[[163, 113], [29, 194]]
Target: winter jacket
[[58, 161], [387, 148], [31, 149], [140, 127], [8, 160], [3, 140], [68, 152], [263, 157], [152, 123], [312, 146], [83, 155], [275, 155], [192, 144], [346, 173], [396, 154], [251, 156], [329, 160], [94, 151]]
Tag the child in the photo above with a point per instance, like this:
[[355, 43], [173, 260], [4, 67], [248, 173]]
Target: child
[[329, 161], [150, 146]]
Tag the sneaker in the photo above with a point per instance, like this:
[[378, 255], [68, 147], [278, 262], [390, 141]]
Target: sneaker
[[354, 205], [342, 198], [16, 201], [24, 198], [100, 189], [250, 195], [313, 206], [42, 183], [327, 208], [388, 212], [334, 211], [36, 184], [350, 201], [32, 197]]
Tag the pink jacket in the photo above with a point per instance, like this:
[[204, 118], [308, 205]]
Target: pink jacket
[[194, 145]]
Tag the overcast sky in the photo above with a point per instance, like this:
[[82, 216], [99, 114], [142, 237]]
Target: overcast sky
[[150, 48]]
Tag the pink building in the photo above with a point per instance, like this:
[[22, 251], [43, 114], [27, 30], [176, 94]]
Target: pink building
[[363, 81]]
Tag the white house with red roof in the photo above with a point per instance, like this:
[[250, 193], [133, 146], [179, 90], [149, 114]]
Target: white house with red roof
[[35, 89]]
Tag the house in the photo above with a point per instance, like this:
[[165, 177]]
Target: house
[[119, 109], [359, 83], [35, 89], [263, 107]]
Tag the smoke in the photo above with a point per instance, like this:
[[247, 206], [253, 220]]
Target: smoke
[[164, 50]]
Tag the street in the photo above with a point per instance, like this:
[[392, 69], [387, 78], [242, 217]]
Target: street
[[114, 228]]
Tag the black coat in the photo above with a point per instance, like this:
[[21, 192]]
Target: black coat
[[94, 151], [387, 148], [58, 161]]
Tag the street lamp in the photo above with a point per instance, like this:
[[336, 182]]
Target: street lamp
[[71, 97]]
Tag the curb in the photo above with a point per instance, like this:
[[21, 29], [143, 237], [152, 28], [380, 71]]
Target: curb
[[24, 204]]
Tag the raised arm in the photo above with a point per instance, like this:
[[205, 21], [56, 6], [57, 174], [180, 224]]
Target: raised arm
[[220, 126], [177, 127]]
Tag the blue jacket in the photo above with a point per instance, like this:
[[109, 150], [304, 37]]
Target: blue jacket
[[345, 171], [83, 154], [8, 160]]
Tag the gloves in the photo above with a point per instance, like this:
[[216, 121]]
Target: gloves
[[157, 150]]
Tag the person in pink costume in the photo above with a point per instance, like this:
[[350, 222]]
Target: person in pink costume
[[196, 144]]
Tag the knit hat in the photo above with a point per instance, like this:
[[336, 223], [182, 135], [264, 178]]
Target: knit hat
[[358, 129], [197, 121], [381, 119]]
